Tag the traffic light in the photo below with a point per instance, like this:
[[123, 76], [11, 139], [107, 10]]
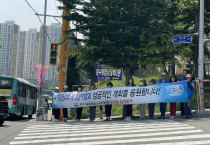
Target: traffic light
[[53, 53]]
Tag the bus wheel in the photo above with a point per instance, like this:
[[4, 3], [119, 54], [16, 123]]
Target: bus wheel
[[1, 120], [29, 116]]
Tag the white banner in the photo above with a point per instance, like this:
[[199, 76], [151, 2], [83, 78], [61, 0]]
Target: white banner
[[170, 92]]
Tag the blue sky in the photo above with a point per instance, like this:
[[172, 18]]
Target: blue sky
[[21, 13]]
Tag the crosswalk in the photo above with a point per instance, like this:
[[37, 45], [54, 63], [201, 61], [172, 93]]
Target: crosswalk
[[162, 132]]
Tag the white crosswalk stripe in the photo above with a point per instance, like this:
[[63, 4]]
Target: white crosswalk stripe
[[163, 132]]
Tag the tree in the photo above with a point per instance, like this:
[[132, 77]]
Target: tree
[[123, 34]]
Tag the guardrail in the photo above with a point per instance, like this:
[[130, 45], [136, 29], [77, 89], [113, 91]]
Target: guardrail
[[201, 93]]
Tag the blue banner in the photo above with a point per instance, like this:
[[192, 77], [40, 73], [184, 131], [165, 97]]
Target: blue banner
[[167, 92], [102, 72]]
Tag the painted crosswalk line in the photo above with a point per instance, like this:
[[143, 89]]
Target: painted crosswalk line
[[163, 132]]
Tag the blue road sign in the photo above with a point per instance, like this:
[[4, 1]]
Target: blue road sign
[[102, 72], [182, 39]]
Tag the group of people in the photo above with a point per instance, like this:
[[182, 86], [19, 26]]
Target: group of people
[[185, 106], [56, 112]]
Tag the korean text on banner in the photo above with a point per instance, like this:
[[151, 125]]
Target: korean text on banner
[[167, 92]]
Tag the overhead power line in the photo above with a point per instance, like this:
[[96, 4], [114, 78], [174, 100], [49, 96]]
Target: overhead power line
[[38, 18]]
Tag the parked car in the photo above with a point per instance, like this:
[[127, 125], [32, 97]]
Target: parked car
[[3, 109]]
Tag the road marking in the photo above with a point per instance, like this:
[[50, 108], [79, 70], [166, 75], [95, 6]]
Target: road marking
[[112, 141], [161, 132], [106, 125], [169, 131], [48, 128], [185, 143], [113, 130]]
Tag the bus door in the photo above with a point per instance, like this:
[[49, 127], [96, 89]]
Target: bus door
[[22, 93], [6, 89]]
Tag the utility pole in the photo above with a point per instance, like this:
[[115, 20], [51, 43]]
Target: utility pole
[[43, 62], [201, 42], [201, 50], [62, 65]]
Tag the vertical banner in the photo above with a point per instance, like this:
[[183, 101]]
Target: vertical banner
[[41, 71]]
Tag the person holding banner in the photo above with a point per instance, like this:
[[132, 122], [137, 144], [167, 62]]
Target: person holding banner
[[163, 105], [151, 106], [79, 110], [141, 106], [187, 105], [65, 110], [56, 112], [128, 108], [92, 108], [172, 79], [108, 108], [183, 78]]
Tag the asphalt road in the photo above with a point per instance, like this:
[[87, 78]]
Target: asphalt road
[[179, 131]]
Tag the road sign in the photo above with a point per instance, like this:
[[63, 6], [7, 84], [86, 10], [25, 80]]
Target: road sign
[[182, 39], [102, 72]]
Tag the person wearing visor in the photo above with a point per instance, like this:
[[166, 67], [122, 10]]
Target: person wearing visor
[[65, 110], [163, 105]]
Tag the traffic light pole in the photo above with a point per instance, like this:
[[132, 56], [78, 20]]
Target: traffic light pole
[[62, 65]]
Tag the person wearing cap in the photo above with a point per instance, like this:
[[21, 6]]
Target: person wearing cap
[[187, 105], [183, 78], [172, 79], [163, 105], [128, 107], [151, 106], [108, 108], [56, 89], [65, 110], [79, 109], [141, 106], [56, 112]]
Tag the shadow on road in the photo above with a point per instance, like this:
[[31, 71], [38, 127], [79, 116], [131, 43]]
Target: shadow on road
[[15, 118]]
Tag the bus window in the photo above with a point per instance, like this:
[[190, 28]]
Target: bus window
[[23, 91], [19, 89]]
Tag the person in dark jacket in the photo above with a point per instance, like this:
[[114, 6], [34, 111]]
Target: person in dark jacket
[[151, 106], [92, 108], [183, 78], [187, 105], [163, 105], [108, 108], [129, 107], [79, 109]]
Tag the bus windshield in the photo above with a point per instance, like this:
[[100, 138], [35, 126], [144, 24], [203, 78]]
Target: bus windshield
[[6, 83]]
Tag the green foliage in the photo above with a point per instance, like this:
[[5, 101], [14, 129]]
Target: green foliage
[[72, 73], [132, 34]]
